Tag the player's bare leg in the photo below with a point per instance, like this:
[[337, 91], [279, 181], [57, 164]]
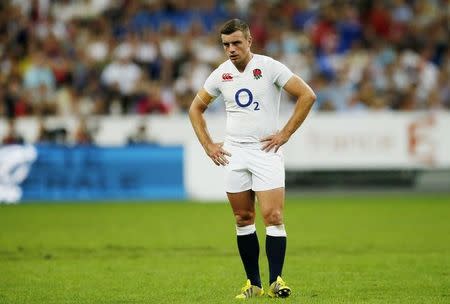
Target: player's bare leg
[[271, 203], [272, 206], [243, 206]]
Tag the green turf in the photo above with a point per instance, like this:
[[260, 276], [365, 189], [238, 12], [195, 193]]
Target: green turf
[[379, 249]]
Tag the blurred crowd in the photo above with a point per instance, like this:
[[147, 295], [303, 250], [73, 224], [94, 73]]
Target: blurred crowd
[[102, 57]]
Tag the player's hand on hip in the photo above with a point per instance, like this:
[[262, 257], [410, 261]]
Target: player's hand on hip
[[274, 141], [218, 155]]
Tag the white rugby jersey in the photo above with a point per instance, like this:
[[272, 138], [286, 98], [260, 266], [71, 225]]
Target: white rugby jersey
[[252, 98]]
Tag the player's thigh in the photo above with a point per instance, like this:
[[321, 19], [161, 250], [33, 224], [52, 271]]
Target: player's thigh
[[271, 203], [267, 170], [237, 177], [243, 206]]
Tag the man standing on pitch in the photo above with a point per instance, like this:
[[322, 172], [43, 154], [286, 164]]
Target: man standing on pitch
[[251, 87]]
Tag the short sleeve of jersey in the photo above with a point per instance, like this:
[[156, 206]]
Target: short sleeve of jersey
[[212, 84], [281, 73]]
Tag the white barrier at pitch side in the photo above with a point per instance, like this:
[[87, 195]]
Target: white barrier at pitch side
[[381, 140]]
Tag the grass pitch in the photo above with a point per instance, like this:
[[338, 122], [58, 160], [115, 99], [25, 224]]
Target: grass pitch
[[357, 249]]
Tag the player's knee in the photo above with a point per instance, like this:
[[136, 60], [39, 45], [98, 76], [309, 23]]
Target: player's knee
[[273, 217], [244, 218]]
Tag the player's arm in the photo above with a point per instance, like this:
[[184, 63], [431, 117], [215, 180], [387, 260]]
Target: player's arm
[[196, 110], [305, 99]]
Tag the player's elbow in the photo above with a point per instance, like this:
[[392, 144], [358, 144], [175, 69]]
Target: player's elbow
[[311, 97], [307, 100], [306, 97]]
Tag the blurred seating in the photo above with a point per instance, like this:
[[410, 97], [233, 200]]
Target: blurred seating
[[70, 57]]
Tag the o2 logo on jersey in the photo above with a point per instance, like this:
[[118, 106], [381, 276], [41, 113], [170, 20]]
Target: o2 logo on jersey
[[244, 98]]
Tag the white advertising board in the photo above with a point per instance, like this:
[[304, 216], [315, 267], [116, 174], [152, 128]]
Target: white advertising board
[[325, 141], [385, 140], [378, 141]]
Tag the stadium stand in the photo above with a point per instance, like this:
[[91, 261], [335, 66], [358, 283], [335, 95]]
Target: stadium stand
[[143, 57]]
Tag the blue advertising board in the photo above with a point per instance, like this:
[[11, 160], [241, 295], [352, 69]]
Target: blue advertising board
[[141, 172]]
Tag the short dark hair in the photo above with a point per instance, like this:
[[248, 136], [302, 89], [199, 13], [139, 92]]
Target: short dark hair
[[234, 25]]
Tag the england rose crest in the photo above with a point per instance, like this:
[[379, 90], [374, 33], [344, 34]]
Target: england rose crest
[[257, 73]]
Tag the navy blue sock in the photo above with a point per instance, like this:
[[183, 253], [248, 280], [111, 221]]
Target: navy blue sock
[[248, 246], [275, 251]]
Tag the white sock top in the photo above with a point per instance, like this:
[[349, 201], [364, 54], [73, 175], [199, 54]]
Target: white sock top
[[245, 230], [277, 230]]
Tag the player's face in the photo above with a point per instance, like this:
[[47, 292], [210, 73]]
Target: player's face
[[237, 47]]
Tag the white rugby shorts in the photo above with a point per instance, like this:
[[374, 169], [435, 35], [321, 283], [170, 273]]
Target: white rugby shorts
[[251, 168]]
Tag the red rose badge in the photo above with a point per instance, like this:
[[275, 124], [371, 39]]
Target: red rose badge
[[257, 73]]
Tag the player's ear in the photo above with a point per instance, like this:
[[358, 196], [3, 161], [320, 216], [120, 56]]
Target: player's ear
[[249, 41]]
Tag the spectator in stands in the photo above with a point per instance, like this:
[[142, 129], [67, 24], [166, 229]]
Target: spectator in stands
[[192, 73], [141, 136], [50, 136], [43, 135], [151, 100], [12, 136], [40, 83], [121, 78], [10, 94], [98, 46], [82, 134], [90, 57], [39, 74], [148, 55]]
